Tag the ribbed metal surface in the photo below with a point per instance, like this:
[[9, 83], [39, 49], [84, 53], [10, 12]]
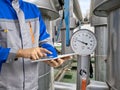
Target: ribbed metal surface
[[44, 80], [94, 20], [98, 21], [99, 3], [47, 8], [101, 32], [113, 67], [103, 7], [44, 76]]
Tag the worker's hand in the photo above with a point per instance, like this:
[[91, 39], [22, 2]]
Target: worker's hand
[[57, 62], [33, 53]]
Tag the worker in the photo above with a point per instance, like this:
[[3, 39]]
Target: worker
[[23, 38]]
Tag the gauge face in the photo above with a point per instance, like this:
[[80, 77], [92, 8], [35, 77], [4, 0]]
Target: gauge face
[[83, 42]]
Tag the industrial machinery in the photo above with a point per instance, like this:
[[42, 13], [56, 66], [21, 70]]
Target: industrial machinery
[[50, 11], [83, 42], [110, 9], [101, 31]]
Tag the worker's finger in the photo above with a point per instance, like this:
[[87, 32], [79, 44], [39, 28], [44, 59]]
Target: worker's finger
[[44, 54], [40, 53], [49, 63], [37, 57], [59, 61], [33, 57], [54, 63], [45, 51], [36, 54], [67, 58]]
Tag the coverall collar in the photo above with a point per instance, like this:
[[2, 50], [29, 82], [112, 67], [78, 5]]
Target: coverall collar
[[10, 1]]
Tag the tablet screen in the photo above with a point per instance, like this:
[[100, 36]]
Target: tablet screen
[[59, 56]]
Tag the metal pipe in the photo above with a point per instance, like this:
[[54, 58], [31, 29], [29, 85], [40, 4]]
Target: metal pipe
[[61, 72], [83, 63], [101, 33], [52, 79], [77, 10]]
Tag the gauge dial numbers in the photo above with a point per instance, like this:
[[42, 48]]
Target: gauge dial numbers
[[83, 42]]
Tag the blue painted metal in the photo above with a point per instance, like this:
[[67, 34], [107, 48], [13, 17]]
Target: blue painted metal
[[67, 20]]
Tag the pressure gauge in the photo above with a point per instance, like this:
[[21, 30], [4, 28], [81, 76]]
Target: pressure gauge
[[83, 42]]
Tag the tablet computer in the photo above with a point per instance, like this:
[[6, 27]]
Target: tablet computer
[[50, 58]]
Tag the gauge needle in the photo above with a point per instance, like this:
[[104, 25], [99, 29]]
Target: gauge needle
[[83, 42]]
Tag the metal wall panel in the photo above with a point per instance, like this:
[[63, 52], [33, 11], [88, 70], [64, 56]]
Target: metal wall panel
[[114, 49]]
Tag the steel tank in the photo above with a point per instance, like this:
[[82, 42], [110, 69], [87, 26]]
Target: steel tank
[[101, 33], [49, 10], [111, 9], [44, 81], [114, 50]]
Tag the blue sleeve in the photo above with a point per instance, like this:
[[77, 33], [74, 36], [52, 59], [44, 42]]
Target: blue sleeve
[[45, 39], [4, 52], [43, 31]]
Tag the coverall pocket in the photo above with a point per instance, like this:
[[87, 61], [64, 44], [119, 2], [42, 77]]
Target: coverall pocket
[[3, 37], [9, 38]]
